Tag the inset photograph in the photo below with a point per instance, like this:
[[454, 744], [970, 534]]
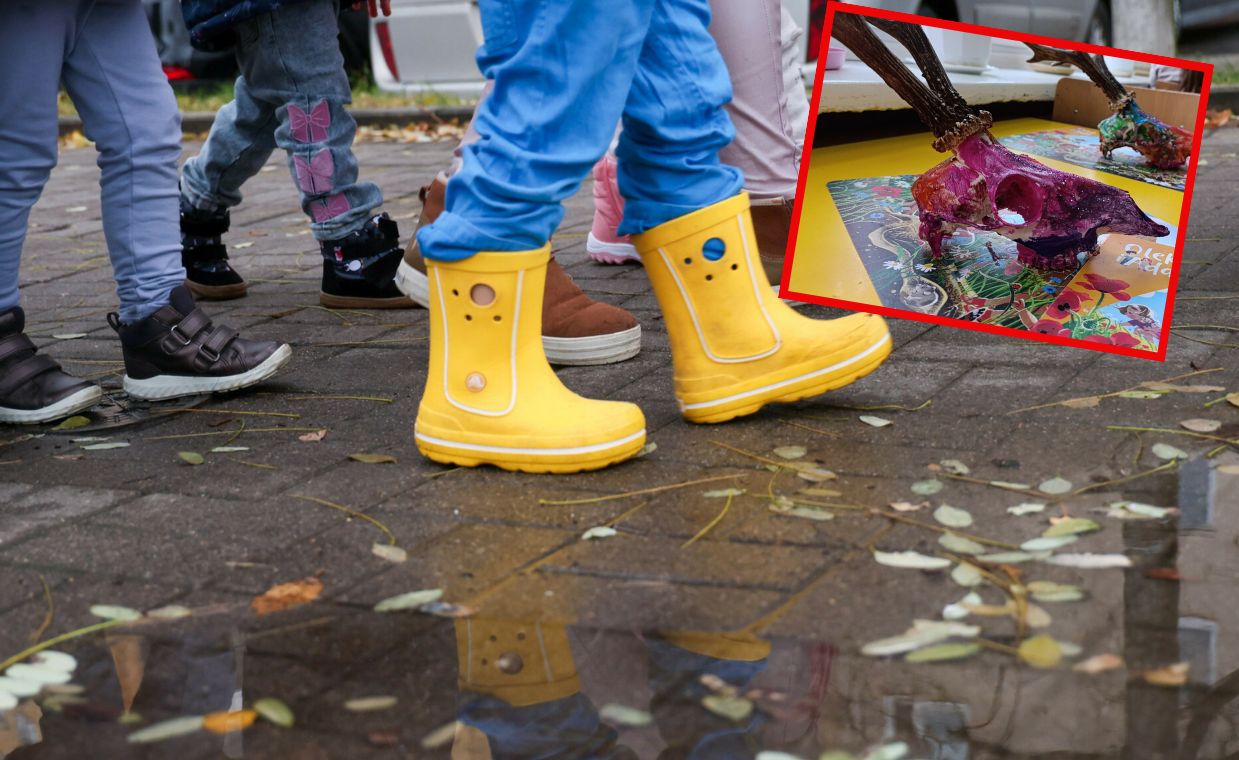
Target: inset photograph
[[996, 181]]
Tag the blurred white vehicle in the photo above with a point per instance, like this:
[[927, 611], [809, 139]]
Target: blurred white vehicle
[[427, 46]]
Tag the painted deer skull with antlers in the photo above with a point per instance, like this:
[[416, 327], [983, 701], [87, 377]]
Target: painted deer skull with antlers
[[1052, 216]]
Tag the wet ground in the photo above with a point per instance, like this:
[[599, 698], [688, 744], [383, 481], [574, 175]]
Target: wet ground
[[736, 606]]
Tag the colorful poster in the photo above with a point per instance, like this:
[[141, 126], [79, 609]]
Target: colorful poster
[[1081, 146], [981, 280]]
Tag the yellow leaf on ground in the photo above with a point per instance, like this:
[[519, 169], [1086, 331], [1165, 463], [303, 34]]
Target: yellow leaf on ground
[[229, 722], [1041, 651], [1171, 675], [287, 595]]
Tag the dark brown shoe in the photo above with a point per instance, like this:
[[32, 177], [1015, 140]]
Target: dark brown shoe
[[179, 351], [576, 329], [773, 224], [33, 387]]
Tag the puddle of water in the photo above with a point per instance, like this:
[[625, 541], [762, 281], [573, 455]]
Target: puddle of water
[[531, 685]]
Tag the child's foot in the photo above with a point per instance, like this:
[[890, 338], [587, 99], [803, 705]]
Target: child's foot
[[205, 257], [33, 387], [603, 244], [358, 269], [178, 351], [576, 329]]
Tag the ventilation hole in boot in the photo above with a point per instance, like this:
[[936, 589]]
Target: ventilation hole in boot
[[688, 260], [498, 318], [482, 294], [734, 267], [709, 277], [713, 249], [468, 317], [455, 292]]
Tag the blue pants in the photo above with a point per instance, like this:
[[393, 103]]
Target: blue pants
[[565, 72], [103, 52], [291, 94]]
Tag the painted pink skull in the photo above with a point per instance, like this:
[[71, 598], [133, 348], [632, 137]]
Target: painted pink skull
[[1052, 216]]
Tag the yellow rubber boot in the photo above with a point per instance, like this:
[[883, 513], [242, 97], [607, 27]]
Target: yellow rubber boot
[[735, 345], [519, 662], [491, 397]]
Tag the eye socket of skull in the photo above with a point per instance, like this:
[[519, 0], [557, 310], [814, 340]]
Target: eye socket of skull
[[1019, 199]]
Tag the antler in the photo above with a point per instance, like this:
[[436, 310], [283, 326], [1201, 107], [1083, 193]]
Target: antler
[[942, 109], [1094, 66]]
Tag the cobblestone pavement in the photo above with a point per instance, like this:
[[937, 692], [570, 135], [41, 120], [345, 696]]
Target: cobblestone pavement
[[138, 527]]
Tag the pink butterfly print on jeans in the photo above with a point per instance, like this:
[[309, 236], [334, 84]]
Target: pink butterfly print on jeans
[[316, 175], [311, 127], [329, 207]]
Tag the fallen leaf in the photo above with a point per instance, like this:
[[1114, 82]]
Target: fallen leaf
[[620, 715], [1049, 592], [389, 553], [911, 560], [872, 421], [770, 754], [287, 595], [441, 736], [370, 704], [1070, 526], [1233, 399], [907, 506], [39, 674], [1163, 574], [1099, 664], [73, 423], [411, 600], [967, 575], [241, 246], [923, 633], [955, 467], [927, 487], [1229, 469], [55, 660], [1216, 119], [1172, 388], [735, 709], [129, 661], [1041, 651], [944, 652], [894, 751], [821, 493], [168, 729], [114, 612], [446, 610], [1141, 510], [229, 449], [723, 493], [1200, 425], [1142, 394], [1008, 484], [790, 452], [648, 448], [1168, 452], [815, 474], [1055, 486], [1037, 617], [171, 612], [959, 610], [1090, 561], [68, 336], [602, 531], [990, 610], [275, 711], [317, 435], [952, 517], [1171, 675], [105, 446], [1048, 543], [960, 545], [68, 457], [1012, 558], [805, 513], [18, 687], [190, 457], [373, 458], [1088, 402], [229, 722], [1026, 508]]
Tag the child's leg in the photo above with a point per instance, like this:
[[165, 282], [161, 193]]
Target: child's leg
[[291, 60], [32, 43], [127, 109], [241, 140]]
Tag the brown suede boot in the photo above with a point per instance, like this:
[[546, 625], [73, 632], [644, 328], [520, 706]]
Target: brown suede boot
[[576, 330], [773, 224]]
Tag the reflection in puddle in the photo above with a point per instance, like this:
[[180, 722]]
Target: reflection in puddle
[[362, 684]]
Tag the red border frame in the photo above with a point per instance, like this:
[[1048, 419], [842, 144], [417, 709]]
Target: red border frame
[[1206, 69]]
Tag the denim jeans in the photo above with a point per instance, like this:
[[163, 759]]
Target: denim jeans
[[565, 71], [291, 93], [104, 54]]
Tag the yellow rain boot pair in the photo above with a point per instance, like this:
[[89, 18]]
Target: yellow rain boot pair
[[491, 397], [734, 344]]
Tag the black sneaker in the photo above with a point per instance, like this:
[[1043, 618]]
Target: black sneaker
[[178, 351], [205, 257], [33, 387], [359, 270]]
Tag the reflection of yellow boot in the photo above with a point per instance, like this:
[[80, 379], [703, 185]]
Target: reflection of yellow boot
[[491, 397], [735, 345], [521, 663], [737, 646]]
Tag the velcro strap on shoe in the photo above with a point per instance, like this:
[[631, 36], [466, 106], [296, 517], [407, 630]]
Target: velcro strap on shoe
[[188, 328], [204, 253], [204, 224], [15, 344], [24, 372], [214, 345]]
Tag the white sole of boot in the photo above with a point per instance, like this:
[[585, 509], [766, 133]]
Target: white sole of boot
[[611, 253], [66, 407], [569, 352], [161, 387]]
